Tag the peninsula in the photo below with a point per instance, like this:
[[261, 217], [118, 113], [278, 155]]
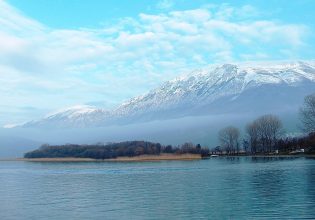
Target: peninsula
[[123, 151]]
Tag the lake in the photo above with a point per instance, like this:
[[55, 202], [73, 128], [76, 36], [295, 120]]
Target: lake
[[217, 188]]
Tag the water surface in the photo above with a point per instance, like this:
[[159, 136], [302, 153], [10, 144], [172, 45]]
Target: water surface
[[218, 188]]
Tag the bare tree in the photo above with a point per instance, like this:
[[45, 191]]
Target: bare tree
[[307, 113], [229, 138], [270, 130], [246, 145], [264, 132], [252, 131]]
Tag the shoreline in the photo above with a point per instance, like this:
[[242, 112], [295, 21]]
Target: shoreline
[[141, 158], [273, 155], [150, 158]]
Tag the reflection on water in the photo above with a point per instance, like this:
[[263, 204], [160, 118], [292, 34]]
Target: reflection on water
[[218, 188]]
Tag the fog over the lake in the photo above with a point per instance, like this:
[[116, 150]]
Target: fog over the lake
[[202, 130]]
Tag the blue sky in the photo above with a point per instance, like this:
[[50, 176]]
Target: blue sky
[[55, 54]]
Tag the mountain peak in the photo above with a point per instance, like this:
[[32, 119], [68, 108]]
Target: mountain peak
[[203, 91], [72, 111]]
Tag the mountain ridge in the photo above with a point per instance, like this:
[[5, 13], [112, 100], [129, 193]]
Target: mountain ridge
[[188, 94]]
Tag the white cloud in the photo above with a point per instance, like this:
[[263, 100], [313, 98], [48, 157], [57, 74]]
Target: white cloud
[[12, 21], [165, 4], [196, 15], [41, 66], [254, 56]]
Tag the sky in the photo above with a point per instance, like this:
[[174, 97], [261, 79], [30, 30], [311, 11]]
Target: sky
[[55, 54]]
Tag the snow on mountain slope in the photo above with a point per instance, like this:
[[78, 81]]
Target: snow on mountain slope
[[208, 85], [228, 87], [75, 116]]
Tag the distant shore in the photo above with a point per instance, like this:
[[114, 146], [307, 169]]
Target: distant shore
[[283, 155], [144, 158], [118, 159]]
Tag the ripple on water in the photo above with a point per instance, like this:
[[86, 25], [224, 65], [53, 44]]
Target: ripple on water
[[218, 188]]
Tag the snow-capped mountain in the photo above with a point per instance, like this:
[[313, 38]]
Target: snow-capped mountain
[[226, 83], [228, 88], [75, 116]]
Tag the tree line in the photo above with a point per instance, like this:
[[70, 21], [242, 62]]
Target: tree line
[[266, 134], [113, 150]]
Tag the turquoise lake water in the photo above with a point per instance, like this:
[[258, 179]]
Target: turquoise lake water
[[217, 188]]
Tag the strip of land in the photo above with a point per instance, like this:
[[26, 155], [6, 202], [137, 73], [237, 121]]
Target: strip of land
[[119, 159], [149, 158]]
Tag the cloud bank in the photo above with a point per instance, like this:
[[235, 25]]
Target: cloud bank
[[46, 68]]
